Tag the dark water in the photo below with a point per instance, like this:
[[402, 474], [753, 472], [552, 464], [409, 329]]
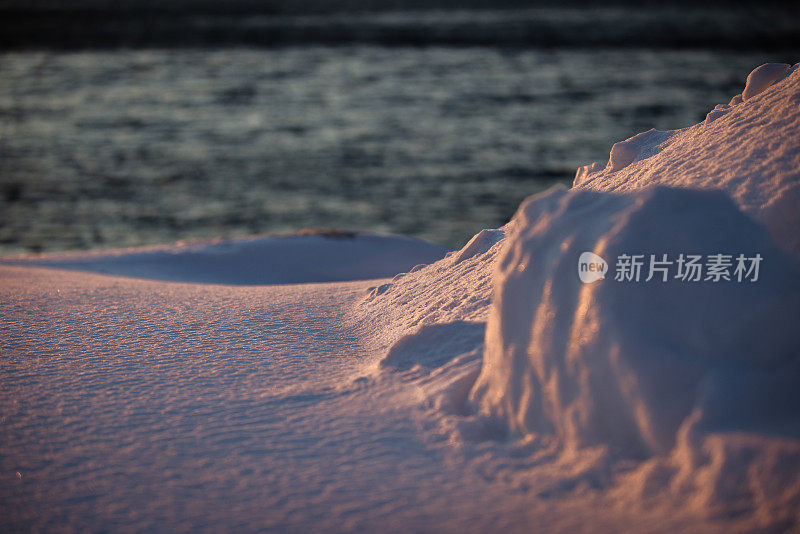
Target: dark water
[[129, 147], [81, 24]]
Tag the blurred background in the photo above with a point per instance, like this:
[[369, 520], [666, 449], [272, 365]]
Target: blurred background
[[142, 122]]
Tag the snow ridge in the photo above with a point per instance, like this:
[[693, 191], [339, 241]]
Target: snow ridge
[[749, 148], [678, 394]]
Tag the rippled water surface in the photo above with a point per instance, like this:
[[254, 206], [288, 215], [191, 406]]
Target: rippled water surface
[[117, 148]]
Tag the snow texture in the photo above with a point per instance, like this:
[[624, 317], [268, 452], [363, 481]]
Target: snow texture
[[253, 261], [489, 389], [750, 149], [628, 366]]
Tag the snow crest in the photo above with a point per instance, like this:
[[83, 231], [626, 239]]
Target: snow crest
[[661, 390], [749, 148]]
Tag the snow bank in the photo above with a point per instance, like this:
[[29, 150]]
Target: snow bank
[[255, 261], [750, 148], [688, 378], [669, 403], [624, 364]]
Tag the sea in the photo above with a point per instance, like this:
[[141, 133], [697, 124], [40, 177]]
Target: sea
[[118, 144]]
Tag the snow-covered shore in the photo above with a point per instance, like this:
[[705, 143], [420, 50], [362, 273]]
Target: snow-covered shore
[[490, 389]]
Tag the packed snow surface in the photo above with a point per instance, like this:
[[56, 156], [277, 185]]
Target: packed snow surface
[[330, 257], [491, 389]]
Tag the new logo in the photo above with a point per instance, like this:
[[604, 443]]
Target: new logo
[[591, 267]]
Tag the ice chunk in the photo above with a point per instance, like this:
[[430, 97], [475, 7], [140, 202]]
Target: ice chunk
[[582, 174], [762, 77], [479, 244], [625, 152]]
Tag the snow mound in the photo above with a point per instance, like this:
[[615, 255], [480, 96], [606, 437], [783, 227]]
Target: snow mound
[[528, 371], [625, 152], [749, 148], [762, 77], [256, 261], [628, 366], [603, 363]]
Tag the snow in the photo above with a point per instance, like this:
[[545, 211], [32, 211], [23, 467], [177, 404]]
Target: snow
[[624, 152], [751, 151], [762, 77], [758, 80], [260, 260], [220, 386], [627, 367]]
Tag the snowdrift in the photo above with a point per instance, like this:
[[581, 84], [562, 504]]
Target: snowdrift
[[631, 366], [625, 363], [622, 355], [256, 261], [696, 374], [686, 382]]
